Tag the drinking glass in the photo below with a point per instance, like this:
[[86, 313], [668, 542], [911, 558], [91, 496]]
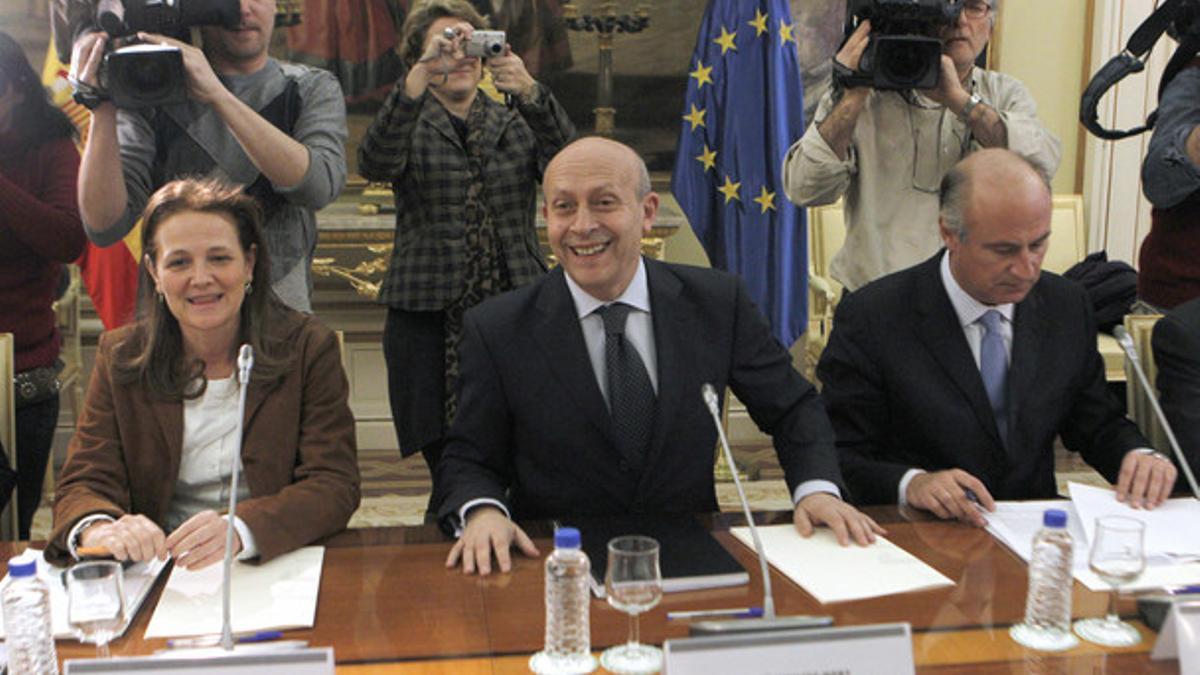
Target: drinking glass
[[633, 584], [96, 602], [1118, 558]]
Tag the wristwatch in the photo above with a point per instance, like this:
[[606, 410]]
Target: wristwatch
[[965, 113]]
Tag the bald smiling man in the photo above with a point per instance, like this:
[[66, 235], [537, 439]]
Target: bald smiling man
[[581, 392]]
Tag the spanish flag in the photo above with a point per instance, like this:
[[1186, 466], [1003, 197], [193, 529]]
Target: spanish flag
[[110, 274]]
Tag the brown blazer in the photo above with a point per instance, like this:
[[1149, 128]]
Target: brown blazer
[[299, 454]]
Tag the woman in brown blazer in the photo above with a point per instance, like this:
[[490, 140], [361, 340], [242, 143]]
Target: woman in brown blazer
[[148, 469]]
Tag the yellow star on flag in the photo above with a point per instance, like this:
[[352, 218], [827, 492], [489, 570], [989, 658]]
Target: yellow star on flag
[[726, 41], [708, 158], [766, 199], [785, 33], [730, 190], [696, 117], [759, 23], [702, 75]]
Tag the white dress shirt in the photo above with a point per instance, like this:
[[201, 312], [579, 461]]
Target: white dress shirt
[[968, 310], [208, 446]]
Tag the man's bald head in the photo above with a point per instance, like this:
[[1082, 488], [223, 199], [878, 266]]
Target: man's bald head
[[597, 149], [598, 207], [990, 177], [995, 222]]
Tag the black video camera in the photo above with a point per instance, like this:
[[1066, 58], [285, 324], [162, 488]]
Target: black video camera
[[904, 50], [147, 76]]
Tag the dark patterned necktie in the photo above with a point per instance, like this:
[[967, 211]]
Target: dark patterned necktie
[[631, 397]]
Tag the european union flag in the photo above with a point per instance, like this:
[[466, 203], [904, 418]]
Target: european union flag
[[744, 109]]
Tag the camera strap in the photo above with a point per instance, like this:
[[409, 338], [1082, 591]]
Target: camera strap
[[1130, 61]]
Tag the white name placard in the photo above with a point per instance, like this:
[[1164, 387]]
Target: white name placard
[[316, 661], [1179, 637], [882, 649]]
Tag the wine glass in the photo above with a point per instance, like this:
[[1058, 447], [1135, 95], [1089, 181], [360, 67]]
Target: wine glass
[[96, 602], [633, 584], [1118, 558]]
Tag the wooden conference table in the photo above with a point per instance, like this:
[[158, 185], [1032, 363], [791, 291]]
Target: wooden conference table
[[388, 605]]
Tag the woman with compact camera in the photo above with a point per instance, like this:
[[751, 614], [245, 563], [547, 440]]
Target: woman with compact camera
[[464, 169]]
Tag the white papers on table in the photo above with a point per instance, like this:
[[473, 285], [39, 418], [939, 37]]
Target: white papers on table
[[278, 595], [138, 580], [1015, 524], [1173, 528], [831, 572]]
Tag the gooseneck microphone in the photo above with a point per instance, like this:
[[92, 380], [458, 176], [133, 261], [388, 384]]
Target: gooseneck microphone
[[1131, 354], [768, 621], [245, 364]]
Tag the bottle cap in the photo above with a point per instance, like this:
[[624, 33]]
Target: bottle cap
[[566, 537], [1054, 518], [24, 565]]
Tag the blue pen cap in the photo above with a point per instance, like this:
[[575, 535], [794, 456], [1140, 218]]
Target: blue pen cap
[[1054, 518], [24, 565], [566, 537]]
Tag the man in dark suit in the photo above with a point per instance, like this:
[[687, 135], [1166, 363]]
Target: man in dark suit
[[581, 392], [1176, 344], [948, 382]]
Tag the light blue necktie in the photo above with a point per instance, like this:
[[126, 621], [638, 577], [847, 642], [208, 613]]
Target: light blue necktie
[[993, 366]]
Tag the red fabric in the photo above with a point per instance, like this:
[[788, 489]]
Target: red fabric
[[111, 277], [1169, 261], [39, 232], [353, 39]]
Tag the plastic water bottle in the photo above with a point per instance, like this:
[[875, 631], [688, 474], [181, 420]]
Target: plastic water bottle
[[26, 602], [1047, 624], [568, 646]]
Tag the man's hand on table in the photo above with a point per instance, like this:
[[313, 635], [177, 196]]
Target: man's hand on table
[[822, 508], [952, 493], [1146, 479], [488, 530]]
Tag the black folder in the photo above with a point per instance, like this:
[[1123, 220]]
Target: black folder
[[689, 557]]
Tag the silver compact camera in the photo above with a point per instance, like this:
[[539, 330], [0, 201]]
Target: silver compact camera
[[485, 44]]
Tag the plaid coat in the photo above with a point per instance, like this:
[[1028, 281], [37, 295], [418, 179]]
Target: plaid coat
[[413, 144]]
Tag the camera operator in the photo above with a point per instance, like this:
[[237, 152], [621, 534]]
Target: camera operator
[[1169, 260], [464, 170], [278, 128], [887, 151]]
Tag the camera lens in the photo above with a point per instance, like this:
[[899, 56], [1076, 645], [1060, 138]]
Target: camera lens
[[496, 48], [148, 75]]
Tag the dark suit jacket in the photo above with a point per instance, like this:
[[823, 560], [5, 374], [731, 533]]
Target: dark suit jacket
[[299, 454], [533, 430], [1177, 354], [903, 389]]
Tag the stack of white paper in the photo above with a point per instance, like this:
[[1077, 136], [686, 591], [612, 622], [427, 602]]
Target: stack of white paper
[[1016, 523], [831, 572], [1173, 528], [278, 595], [138, 580]]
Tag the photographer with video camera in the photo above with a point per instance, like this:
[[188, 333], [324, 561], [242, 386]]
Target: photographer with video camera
[[277, 128], [901, 113], [464, 170]]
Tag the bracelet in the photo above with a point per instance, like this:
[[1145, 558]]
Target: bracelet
[[972, 102], [86, 95], [1154, 453]]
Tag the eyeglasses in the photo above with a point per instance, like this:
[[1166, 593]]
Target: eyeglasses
[[976, 9]]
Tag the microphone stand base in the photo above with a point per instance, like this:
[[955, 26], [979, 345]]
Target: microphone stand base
[[760, 625]]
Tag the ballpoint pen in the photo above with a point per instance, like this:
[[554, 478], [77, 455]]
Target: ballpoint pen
[[733, 613], [214, 640]]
